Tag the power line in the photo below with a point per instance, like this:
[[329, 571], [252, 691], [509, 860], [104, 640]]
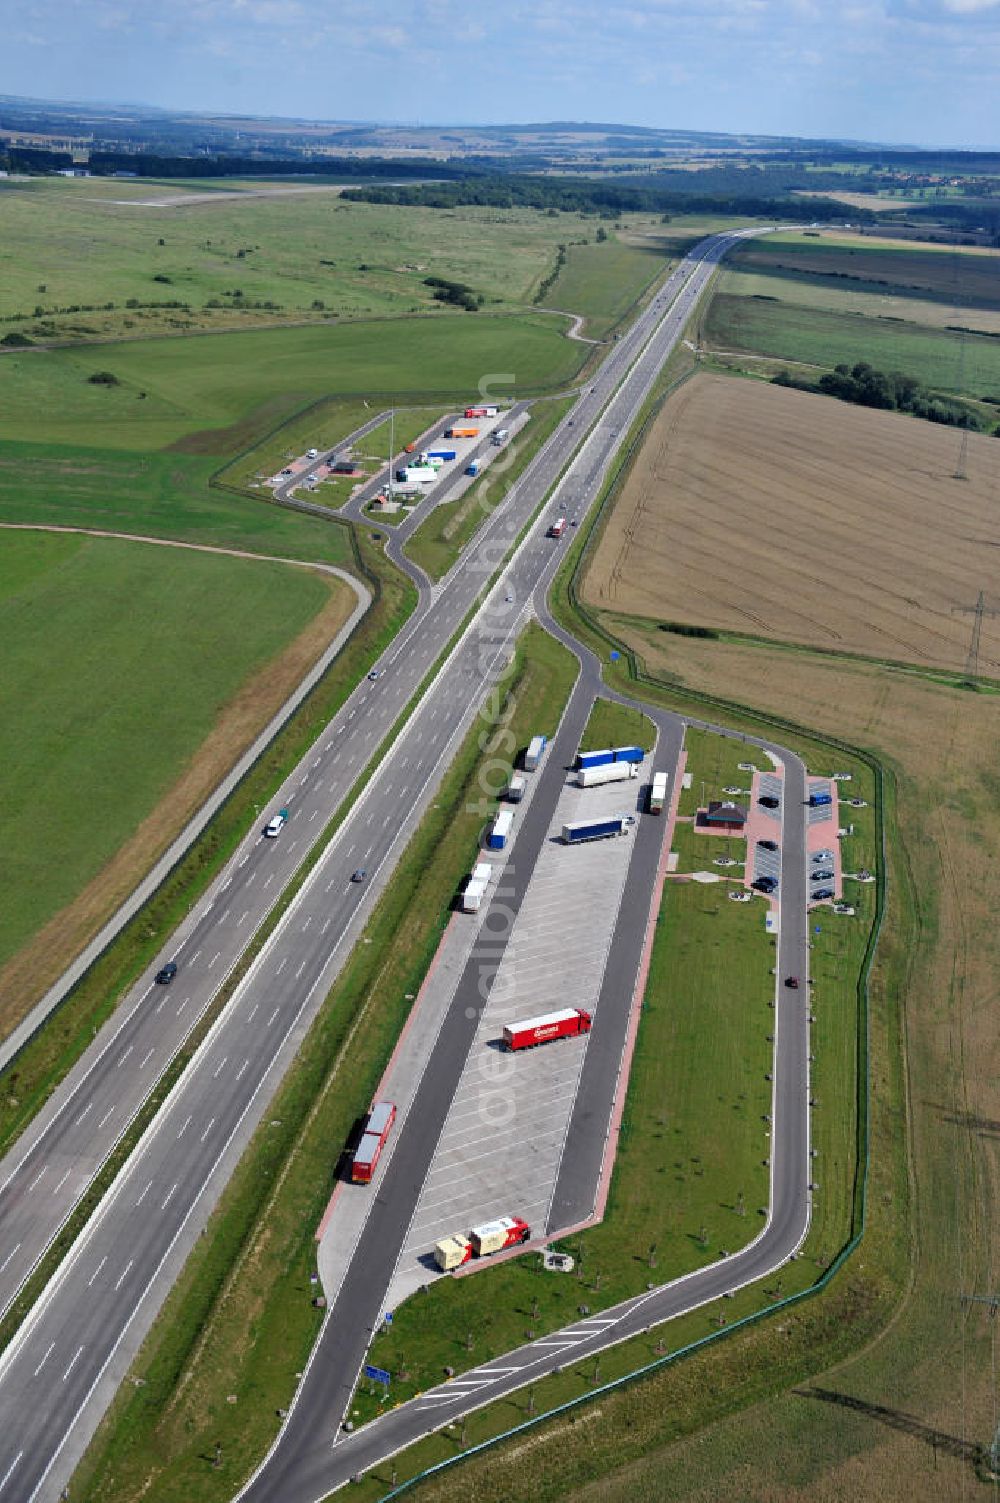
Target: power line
[[978, 611]]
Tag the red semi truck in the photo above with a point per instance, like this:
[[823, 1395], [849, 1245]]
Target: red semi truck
[[565, 1024], [377, 1129], [492, 1237]]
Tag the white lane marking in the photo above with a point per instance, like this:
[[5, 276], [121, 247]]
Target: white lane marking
[[252, 1011], [246, 858], [128, 1265], [194, 957], [330, 883], [252, 878], [317, 761], [326, 925], [97, 1270], [76, 1357], [147, 1057], [225, 884], [270, 879], [301, 968], [241, 1069], [273, 1016], [169, 1197], [208, 1129], [159, 1005], [222, 918], [109, 1113], [307, 922], [48, 1354], [7, 1259], [281, 967], [182, 1006], [185, 1127], [62, 1181], [125, 1056], [214, 959], [145, 1192], [245, 916], [34, 1182], [292, 846], [10, 1471], [220, 1067]]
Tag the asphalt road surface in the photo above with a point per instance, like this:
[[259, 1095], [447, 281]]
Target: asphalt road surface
[[59, 1374]]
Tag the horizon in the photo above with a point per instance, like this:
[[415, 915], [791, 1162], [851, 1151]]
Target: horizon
[[878, 71]]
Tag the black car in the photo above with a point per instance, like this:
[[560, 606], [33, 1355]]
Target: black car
[[769, 801], [768, 845], [359, 875], [820, 876], [167, 974], [824, 892], [765, 884]]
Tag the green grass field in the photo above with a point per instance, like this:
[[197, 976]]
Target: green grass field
[[157, 495], [117, 662], [612, 724], [68, 243], [207, 385], [948, 362], [603, 280]]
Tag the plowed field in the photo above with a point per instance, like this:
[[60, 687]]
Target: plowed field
[[782, 514]]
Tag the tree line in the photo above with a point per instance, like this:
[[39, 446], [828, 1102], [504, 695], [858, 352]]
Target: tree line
[[594, 196], [892, 391]]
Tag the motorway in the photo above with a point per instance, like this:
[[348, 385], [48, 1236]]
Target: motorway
[[62, 1369]]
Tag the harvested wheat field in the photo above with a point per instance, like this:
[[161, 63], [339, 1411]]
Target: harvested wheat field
[[779, 513]]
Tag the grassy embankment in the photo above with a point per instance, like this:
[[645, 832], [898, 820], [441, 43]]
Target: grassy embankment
[[30, 1079], [442, 536], [611, 724], [240, 1320], [115, 634], [603, 281]]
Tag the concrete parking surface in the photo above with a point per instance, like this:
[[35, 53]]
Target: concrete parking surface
[[503, 1140]]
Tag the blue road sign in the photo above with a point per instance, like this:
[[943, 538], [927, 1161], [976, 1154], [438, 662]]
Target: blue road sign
[[377, 1374], [615, 656], [817, 930], [387, 1317]]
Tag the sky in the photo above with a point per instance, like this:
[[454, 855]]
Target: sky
[[913, 71]]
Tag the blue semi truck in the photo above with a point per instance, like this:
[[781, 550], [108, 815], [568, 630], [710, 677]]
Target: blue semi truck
[[595, 829], [609, 755]]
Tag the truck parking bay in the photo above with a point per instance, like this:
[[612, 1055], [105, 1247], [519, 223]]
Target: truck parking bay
[[503, 1140]]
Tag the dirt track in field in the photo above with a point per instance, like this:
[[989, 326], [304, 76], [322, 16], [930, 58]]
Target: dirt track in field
[[783, 514]]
